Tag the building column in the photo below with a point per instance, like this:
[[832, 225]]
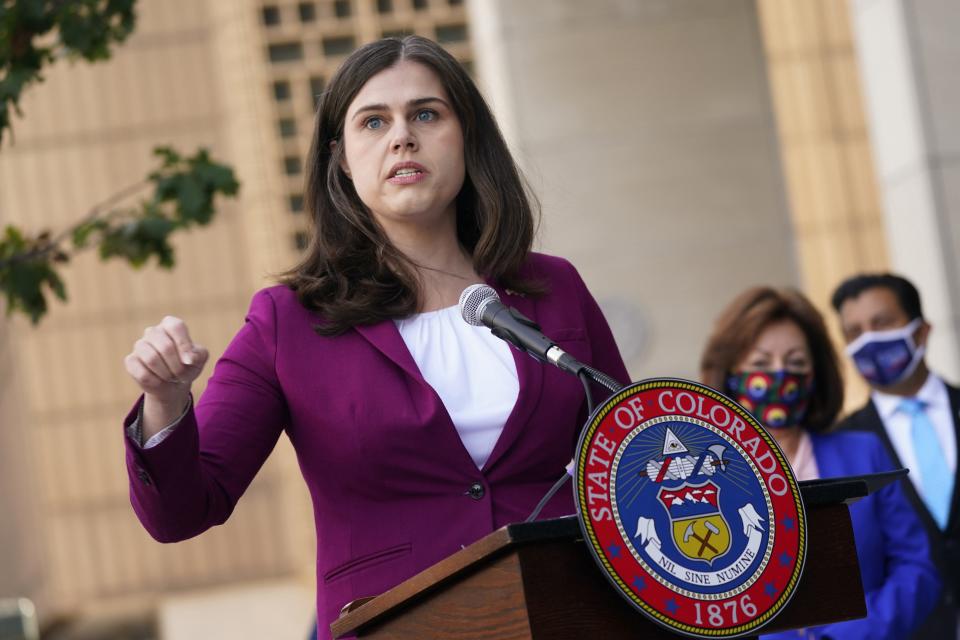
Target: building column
[[21, 557], [647, 129], [909, 57]]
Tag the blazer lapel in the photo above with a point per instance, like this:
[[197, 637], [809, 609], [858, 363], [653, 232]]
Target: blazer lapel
[[875, 424], [530, 375], [385, 337], [954, 395]]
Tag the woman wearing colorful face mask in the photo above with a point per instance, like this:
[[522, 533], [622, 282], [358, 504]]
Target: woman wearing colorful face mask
[[770, 351]]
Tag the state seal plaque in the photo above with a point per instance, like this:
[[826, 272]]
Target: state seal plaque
[[690, 508]]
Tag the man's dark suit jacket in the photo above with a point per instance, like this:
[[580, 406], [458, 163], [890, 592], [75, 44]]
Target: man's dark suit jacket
[[944, 545]]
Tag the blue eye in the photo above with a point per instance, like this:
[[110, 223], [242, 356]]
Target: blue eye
[[374, 122], [426, 115]]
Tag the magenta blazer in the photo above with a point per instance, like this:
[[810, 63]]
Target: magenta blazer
[[393, 488]]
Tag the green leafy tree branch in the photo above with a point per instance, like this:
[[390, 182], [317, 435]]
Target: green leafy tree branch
[[34, 34], [184, 190]]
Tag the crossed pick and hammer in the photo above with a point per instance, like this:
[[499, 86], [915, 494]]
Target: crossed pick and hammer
[[705, 540]]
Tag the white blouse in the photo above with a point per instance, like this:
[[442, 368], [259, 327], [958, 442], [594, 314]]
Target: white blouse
[[471, 370]]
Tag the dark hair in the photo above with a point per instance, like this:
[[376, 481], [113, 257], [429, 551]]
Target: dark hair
[[907, 294], [352, 274], [737, 328]]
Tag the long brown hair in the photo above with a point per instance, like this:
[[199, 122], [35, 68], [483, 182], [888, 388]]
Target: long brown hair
[[737, 328], [352, 274]]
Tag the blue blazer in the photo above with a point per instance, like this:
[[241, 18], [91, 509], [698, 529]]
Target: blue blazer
[[899, 580]]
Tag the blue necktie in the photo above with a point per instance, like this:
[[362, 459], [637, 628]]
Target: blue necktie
[[935, 478]]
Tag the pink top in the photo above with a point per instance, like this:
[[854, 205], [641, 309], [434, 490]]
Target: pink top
[[804, 463]]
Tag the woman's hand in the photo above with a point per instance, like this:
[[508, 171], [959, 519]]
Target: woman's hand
[[165, 362]]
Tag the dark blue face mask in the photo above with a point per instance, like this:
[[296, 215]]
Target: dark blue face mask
[[884, 358]]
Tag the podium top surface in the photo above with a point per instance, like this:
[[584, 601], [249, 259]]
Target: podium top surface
[[848, 489], [816, 493]]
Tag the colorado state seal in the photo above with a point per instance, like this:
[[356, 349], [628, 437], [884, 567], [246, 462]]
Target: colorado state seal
[[690, 508]]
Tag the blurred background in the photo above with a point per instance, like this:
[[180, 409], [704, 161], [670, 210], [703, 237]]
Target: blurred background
[[682, 149]]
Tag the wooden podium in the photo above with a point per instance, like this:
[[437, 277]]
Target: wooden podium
[[538, 581]]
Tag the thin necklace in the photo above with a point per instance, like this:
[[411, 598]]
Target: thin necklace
[[446, 273]]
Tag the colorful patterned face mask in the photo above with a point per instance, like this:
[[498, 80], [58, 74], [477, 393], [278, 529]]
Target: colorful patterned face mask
[[778, 399]]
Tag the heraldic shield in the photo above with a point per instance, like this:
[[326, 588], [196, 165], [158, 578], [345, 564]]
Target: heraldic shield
[[700, 532]]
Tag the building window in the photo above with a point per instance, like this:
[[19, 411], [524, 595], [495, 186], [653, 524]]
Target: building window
[[286, 52], [396, 33], [291, 165], [287, 126], [317, 85], [281, 90], [270, 16], [384, 6], [296, 203], [342, 9], [308, 12], [301, 240], [340, 46], [452, 33], [420, 5]]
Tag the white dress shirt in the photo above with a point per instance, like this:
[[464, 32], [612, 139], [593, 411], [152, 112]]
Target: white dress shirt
[[471, 370], [936, 401]]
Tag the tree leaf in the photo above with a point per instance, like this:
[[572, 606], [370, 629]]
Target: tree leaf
[[23, 284]]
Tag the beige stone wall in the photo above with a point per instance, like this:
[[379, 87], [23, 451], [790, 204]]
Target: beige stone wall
[[824, 143], [647, 128], [909, 55], [20, 554]]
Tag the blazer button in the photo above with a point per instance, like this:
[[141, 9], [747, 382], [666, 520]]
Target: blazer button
[[476, 491]]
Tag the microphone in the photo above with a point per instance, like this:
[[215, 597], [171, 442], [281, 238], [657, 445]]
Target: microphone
[[480, 306]]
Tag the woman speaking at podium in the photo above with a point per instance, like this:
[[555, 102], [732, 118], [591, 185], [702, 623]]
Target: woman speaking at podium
[[770, 351], [416, 433]]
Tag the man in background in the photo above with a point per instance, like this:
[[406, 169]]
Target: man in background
[[915, 413]]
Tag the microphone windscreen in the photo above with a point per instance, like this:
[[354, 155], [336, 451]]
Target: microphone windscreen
[[472, 301]]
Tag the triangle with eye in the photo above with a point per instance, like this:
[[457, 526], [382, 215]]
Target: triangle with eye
[[672, 445]]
